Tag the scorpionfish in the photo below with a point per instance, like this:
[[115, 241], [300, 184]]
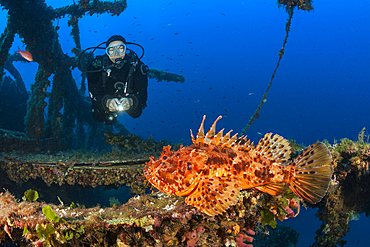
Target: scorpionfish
[[215, 168]]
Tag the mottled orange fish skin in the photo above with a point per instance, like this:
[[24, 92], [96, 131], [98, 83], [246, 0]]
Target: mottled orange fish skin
[[254, 170], [178, 172], [212, 171]]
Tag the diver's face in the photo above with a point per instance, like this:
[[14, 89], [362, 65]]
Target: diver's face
[[120, 48]]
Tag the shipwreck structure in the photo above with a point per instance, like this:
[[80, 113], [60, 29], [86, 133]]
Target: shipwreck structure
[[56, 219], [66, 107]]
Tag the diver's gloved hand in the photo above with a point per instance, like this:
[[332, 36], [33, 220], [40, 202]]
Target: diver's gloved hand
[[122, 104], [112, 104], [125, 104]]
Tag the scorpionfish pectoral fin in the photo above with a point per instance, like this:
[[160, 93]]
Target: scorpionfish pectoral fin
[[214, 195], [274, 189]]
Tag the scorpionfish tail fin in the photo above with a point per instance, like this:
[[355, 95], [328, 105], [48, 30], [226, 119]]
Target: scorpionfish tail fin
[[313, 171]]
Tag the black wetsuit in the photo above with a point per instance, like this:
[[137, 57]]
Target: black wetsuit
[[100, 91]]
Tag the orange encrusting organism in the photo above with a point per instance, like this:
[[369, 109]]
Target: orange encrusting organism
[[215, 168]]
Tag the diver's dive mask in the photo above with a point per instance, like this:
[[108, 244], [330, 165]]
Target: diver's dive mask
[[116, 50]]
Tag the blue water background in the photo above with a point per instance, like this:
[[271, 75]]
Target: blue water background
[[227, 51]]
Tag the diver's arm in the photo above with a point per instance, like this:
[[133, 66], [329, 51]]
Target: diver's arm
[[96, 89], [95, 82], [140, 87]]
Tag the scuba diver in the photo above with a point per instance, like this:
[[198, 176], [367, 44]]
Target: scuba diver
[[117, 81]]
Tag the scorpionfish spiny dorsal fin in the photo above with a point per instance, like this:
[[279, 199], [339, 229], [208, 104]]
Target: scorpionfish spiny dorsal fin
[[276, 148], [219, 139], [214, 195]]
